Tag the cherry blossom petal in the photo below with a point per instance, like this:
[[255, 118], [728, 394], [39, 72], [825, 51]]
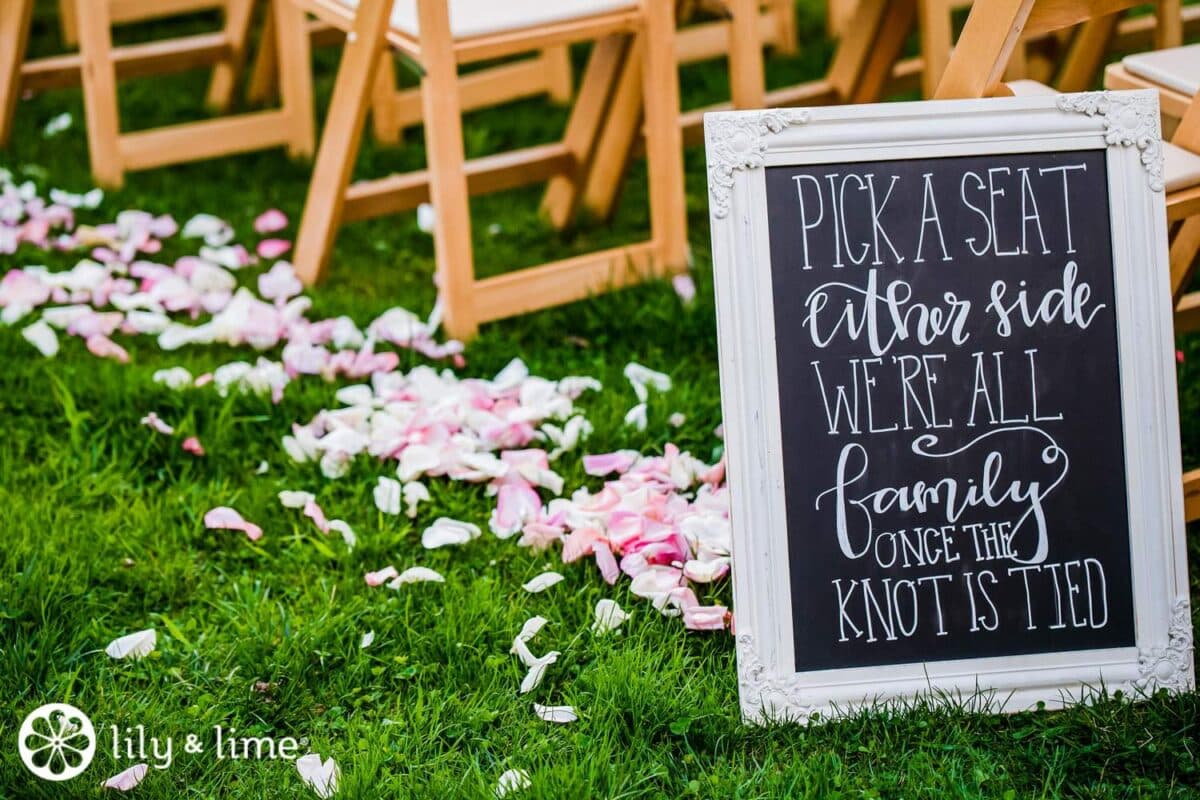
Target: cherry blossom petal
[[542, 582], [133, 645], [225, 518], [321, 776], [557, 714], [127, 779]]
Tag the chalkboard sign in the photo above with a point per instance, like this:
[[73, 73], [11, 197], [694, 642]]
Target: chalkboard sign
[[949, 402]]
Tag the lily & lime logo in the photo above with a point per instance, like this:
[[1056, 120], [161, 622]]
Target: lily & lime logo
[[56, 742]]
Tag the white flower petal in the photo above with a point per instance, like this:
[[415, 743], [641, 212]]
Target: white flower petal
[[537, 671], [542, 582], [609, 616], [43, 337], [127, 779], [387, 495], [445, 531], [368, 639], [322, 777], [133, 645], [513, 780], [558, 714], [416, 575]]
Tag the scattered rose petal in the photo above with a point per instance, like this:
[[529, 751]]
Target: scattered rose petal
[[685, 287], [43, 337], [636, 417], [153, 422], [542, 582], [273, 248], [513, 780], [294, 499], [270, 221], [528, 631], [127, 779], [133, 645], [57, 124], [643, 378], [537, 671], [225, 518], [415, 493], [426, 218], [387, 495], [557, 714], [676, 420], [445, 531], [192, 445], [609, 616], [174, 378], [381, 576], [416, 575], [368, 639], [322, 777], [705, 618]]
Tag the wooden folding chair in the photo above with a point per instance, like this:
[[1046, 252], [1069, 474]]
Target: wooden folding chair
[[547, 72], [976, 68], [435, 34], [774, 22], [113, 153], [1082, 53], [224, 49], [862, 65]]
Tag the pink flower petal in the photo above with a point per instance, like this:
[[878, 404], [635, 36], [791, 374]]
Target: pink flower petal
[[270, 221], [381, 576], [705, 618], [273, 248], [192, 445], [225, 518], [103, 347], [128, 779], [607, 463]]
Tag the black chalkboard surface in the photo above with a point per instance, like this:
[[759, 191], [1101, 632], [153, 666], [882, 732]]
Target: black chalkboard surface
[[955, 482]]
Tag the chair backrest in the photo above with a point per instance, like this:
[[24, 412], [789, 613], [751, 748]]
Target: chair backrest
[[993, 30]]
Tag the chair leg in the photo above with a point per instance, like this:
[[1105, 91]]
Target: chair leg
[[936, 40], [1191, 495], [897, 23], [448, 191], [556, 61], [1086, 55], [617, 134], [238, 14], [265, 69], [746, 77], [295, 77], [342, 137], [385, 124], [787, 38], [1185, 246], [1168, 31], [583, 128], [664, 139], [100, 92], [14, 37], [68, 25]]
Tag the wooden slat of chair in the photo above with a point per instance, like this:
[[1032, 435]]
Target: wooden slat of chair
[[113, 152], [450, 179], [14, 37]]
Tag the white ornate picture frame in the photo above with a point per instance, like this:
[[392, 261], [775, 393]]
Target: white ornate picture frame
[[740, 147]]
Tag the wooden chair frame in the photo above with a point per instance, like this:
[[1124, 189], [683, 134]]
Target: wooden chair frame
[[620, 37], [547, 72], [976, 69], [114, 153], [862, 66], [224, 49]]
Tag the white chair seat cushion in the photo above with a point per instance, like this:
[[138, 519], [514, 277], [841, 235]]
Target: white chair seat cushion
[[1181, 168], [1177, 68], [480, 17]]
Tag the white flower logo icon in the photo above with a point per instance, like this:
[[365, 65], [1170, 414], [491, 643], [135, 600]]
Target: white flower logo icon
[[56, 742]]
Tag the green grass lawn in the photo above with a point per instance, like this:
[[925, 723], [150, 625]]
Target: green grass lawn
[[102, 535]]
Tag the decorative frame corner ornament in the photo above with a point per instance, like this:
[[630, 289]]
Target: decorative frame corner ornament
[[1130, 119], [1169, 666], [764, 692], [738, 140]]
